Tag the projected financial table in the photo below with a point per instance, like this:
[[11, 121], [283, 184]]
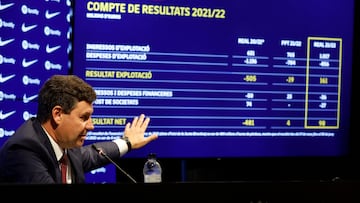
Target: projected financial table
[[220, 78], [295, 87]]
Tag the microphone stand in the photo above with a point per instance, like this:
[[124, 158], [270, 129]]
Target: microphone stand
[[113, 162]]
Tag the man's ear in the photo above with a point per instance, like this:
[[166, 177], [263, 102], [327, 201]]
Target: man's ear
[[57, 114]]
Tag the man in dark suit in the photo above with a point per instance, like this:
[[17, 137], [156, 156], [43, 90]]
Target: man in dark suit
[[65, 106]]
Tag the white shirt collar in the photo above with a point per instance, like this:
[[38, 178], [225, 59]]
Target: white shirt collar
[[57, 149]]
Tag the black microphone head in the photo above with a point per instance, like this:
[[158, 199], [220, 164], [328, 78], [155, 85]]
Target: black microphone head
[[95, 147]]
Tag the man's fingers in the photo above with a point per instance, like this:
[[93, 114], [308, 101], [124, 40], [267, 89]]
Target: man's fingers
[[138, 121], [135, 121], [145, 124]]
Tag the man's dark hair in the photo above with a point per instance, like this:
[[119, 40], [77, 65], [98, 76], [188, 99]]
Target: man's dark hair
[[65, 91]]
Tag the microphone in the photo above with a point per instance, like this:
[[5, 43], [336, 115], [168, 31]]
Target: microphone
[[100, 151]]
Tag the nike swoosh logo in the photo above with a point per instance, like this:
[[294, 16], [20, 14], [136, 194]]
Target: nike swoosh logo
[[49, 15], [4, 116], [5, 42], [4, 79], [28, 99], [25, 28], [51, 49], [26, 64], [5, 6]]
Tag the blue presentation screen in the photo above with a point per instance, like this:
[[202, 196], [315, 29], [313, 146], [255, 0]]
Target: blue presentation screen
[[220, 78]]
